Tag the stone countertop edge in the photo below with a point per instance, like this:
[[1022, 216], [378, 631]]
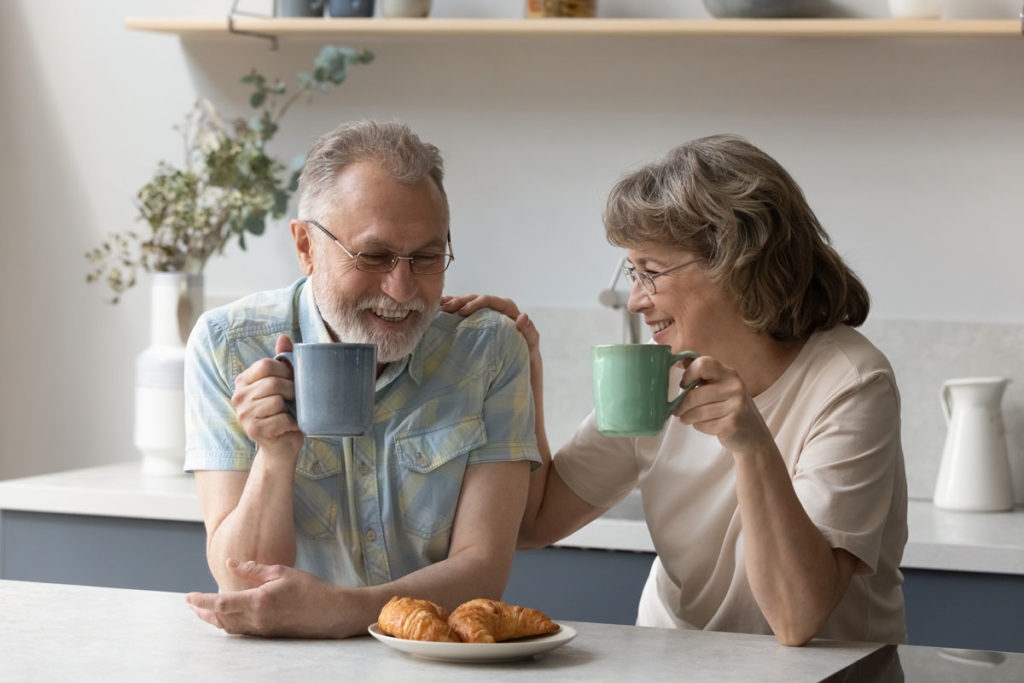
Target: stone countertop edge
[[939, 539]]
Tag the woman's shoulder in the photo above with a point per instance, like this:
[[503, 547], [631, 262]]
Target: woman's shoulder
[[846, 351], [833, 363]]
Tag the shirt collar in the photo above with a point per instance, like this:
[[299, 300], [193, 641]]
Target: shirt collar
[[311, 325]]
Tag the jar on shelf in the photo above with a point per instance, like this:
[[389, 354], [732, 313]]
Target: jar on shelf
[[561, 8]]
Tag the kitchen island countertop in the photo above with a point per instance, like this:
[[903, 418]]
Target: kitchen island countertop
[[939, 539], [80, 633]]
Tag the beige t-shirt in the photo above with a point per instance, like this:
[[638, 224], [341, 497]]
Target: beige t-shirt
[[835, 416]]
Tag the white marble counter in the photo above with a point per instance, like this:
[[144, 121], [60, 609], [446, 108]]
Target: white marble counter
[[119, 490], [956, 541], [56, 632]]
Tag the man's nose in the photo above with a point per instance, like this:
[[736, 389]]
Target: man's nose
[[400, 282]]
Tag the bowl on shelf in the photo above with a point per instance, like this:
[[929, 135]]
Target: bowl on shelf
[[774, 9]]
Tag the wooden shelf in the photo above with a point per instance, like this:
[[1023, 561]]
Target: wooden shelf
[[381, 28]]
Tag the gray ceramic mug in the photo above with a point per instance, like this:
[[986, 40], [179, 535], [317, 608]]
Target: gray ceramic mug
[[334, 385], [350, 8], [299, 8]]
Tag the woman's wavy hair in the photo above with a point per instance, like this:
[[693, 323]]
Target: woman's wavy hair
[[740, 212]]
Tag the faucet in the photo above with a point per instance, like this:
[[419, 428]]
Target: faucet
[[615, 299]]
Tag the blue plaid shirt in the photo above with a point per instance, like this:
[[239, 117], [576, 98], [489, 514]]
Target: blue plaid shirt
[[373, 508]]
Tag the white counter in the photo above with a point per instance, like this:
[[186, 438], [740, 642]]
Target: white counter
[[956, 541], [56, 632]]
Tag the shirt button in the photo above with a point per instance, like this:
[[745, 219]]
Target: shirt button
[[421, 460], [317, 467], [371, 535], [364, 469]]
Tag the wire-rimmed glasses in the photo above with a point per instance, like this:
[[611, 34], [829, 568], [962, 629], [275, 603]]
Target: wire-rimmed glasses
[[427, 263], [646, 278]]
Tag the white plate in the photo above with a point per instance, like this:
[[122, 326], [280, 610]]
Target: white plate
[[478, 652]]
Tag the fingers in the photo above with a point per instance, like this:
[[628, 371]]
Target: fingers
[[235, 611], [230, 612], [467, 304], [204, 607], [284, 343], [262, 369], [529, 331], [714, 385], [254, 572]]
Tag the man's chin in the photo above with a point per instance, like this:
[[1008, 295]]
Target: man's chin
[[394, 342]]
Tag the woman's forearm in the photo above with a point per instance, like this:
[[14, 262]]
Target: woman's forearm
[[538, 477], [794, 574]]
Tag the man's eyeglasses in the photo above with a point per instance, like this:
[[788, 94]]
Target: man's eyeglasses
[[646, 278], [427, 263]]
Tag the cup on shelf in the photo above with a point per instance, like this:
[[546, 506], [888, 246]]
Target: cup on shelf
[[299, 8], [350, 8], [405, 8], [561, 8]]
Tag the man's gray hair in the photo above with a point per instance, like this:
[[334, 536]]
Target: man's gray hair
[[397, 149]]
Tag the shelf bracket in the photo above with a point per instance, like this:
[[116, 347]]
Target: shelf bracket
[[231, 25]]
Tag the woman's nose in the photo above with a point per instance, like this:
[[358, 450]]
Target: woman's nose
[[639, 299]]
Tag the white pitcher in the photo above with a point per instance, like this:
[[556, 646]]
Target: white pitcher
[[975, 470]]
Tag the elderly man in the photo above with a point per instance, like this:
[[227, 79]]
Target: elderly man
[[310, 536]]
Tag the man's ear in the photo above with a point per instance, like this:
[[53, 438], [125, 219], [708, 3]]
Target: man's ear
[[303, 245]]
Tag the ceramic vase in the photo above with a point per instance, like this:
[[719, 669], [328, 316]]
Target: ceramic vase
[[915, 9], [405, 8], [176, 300], [974, 474]]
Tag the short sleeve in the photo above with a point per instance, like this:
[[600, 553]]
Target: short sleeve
[[508, 410], [599, 469], [848, 469], [214, 438]]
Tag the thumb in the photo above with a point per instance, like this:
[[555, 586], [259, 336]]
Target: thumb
[[284, 343], [253, 572]]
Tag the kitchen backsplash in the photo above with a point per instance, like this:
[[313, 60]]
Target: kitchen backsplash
[[923, 355]]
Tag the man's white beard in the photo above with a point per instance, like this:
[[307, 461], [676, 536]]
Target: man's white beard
[[344, 319]]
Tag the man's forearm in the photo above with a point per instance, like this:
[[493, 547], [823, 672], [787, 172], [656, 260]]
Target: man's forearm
[[261, 527]]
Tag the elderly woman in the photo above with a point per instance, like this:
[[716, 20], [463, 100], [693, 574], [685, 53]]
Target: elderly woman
[[776, 497]]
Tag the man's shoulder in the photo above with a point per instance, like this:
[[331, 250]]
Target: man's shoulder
[[483, 326], [484, 336], [268, 312]]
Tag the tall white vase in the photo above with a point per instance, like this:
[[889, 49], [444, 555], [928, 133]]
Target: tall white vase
[[974, 474], [176, 300]]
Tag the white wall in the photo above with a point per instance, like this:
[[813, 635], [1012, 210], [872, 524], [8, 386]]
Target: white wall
[[909, 149]]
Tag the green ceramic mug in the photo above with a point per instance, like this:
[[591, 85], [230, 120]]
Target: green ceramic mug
[[631, 387]]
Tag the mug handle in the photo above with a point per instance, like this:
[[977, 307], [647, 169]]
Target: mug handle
[[692, 355], [288, 357]]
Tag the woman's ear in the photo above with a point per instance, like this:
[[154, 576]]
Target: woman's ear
[[303, 245]]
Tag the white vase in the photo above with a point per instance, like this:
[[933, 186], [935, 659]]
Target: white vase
[[176, 300], [915, 9]]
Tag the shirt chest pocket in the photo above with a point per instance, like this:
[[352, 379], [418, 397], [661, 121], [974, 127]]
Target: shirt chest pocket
[[431, 467], [315, 495]]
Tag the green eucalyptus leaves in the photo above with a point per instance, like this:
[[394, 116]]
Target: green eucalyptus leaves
[[228, 187]]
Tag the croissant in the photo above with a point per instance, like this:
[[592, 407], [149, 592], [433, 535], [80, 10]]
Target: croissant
[[414, 619], [489, 621]]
